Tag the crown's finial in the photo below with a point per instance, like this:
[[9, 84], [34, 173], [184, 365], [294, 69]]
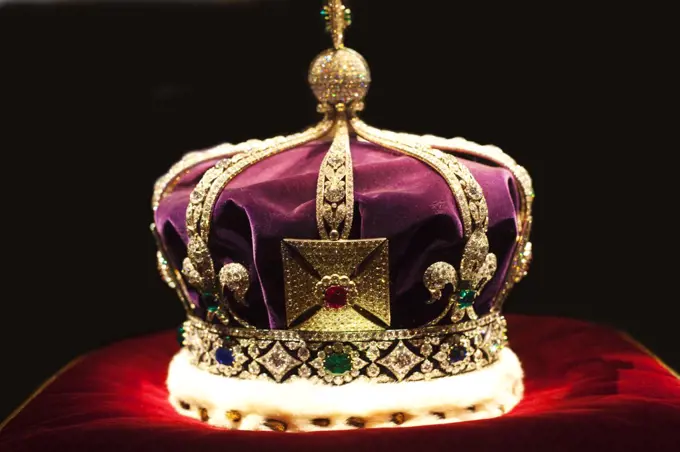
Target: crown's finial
[[338, 17], [339, 77]]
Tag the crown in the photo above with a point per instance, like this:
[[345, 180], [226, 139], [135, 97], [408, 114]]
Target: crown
[[303, 271]]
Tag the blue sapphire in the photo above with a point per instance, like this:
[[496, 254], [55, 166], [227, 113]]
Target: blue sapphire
[[224, 356], [457, 354]]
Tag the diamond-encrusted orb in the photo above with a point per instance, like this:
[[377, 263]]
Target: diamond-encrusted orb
[[466, 297], [339, 77], [335, 297], [457, 354], [338, 363], [224, 356]]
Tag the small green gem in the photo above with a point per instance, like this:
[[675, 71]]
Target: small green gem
[[466, 297], [494, 347], [324, 13], [348, 16], [180, 336], [212, 309], [338, 363]]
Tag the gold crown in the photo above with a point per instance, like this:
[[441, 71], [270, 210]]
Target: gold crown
[[337, 297]]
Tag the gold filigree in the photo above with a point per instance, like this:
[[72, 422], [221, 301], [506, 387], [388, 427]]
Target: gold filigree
[[338, 19], [365, 265], [474, 255], [335, 188]]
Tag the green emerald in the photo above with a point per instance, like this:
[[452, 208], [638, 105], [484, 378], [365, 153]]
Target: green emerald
[[338, 363], [212, 309], [348, 16], [466, 297], [180, 336]]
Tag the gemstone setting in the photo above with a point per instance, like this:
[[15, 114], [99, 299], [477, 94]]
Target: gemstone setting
[[180, 336], [224, 356], [338, 363], [400, 361], [466, 297], [278, 362], [457, 354], [335, 297]]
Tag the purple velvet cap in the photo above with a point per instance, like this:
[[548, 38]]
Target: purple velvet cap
[[396, 197]]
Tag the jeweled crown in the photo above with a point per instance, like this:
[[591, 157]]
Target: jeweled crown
[[338, 284]]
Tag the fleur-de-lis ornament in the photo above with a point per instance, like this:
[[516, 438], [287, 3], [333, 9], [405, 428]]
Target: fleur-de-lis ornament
[[477, 267]]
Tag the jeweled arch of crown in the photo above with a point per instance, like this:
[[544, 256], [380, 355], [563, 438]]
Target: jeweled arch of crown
[[337, 295]]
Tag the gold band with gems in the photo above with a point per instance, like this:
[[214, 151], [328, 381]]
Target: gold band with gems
[[342, 357]]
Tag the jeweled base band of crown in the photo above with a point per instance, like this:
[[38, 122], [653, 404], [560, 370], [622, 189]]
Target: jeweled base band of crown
[[342, 357]]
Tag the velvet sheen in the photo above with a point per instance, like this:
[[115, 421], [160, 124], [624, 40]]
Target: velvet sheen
[[587, 388], [396, 197]]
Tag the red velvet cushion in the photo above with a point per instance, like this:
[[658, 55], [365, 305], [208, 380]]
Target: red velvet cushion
[[587, 388]]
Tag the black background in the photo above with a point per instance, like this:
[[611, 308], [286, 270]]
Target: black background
[[100, 99]]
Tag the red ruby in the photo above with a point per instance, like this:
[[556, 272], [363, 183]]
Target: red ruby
[[336, 297]]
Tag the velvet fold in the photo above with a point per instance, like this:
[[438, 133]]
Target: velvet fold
[[396, 197]]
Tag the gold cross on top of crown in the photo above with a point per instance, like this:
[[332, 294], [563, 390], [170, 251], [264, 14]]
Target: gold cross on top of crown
[[337, 17]]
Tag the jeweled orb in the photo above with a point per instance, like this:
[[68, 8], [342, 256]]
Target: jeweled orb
[[338, 363], [224, 356], [335, 297], [339, 76]]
